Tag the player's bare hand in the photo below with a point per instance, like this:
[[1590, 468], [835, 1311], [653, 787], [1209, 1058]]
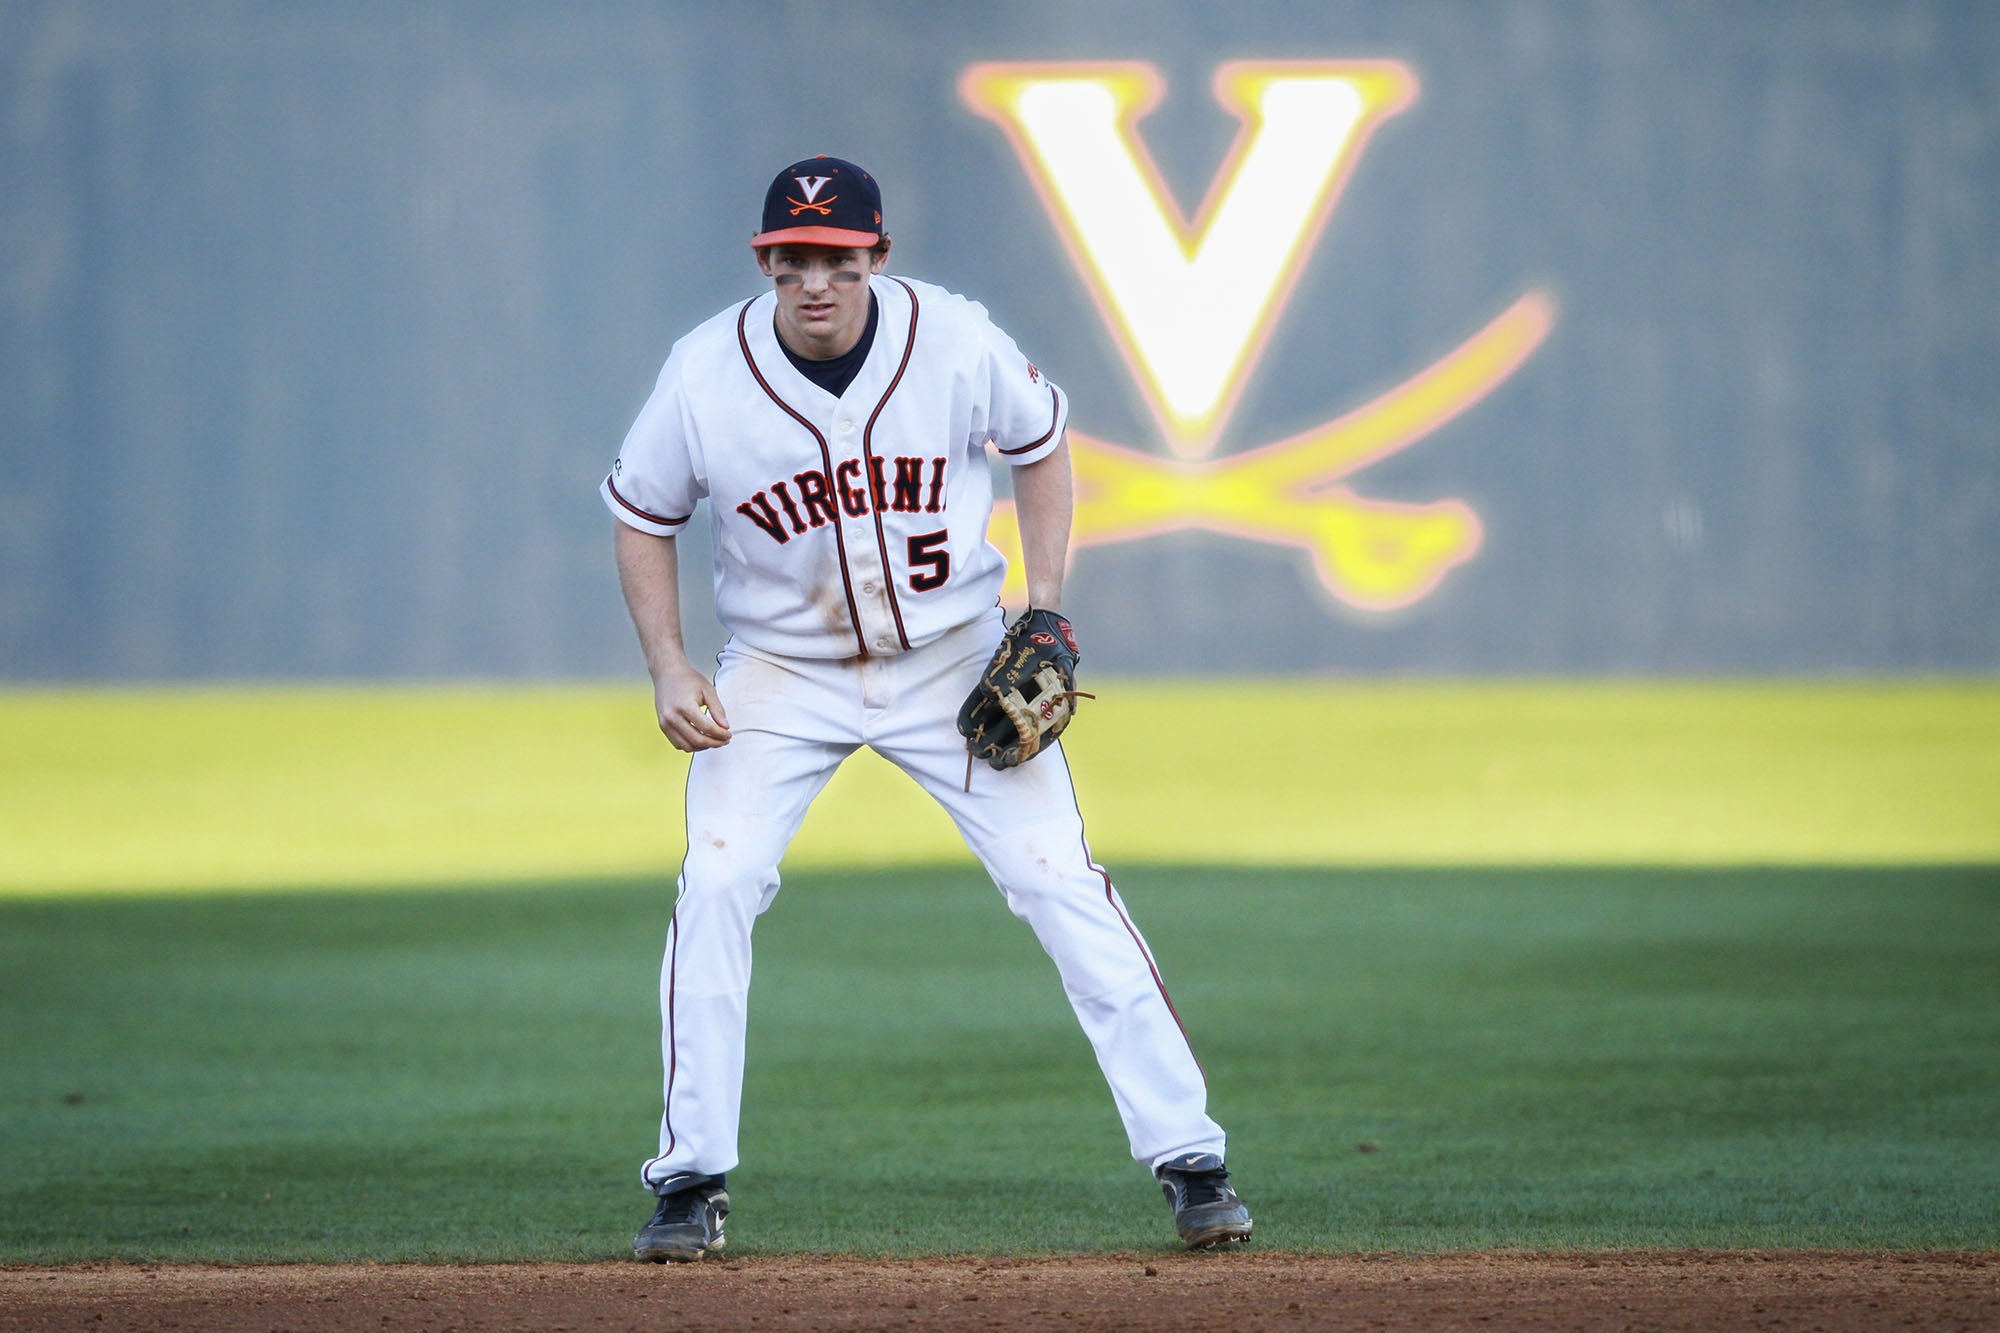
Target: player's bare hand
[[689, 710]]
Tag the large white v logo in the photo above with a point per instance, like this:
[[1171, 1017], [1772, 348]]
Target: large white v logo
[[1189, 303]]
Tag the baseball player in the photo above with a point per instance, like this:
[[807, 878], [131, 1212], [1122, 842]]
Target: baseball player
[[839, 424]]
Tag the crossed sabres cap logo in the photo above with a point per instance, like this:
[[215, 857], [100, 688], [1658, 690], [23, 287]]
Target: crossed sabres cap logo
[[810, 186], [821, 201], [1190, 304]]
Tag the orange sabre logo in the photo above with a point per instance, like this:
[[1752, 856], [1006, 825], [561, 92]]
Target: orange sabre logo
[[1190, 305], [810, 186]]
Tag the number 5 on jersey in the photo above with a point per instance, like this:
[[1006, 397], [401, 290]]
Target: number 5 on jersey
[[928, 551]]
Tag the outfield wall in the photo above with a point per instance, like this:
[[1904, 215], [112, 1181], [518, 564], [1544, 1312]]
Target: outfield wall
[[1620, 338]]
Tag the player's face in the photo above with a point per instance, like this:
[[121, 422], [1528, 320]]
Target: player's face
[[822, 295]]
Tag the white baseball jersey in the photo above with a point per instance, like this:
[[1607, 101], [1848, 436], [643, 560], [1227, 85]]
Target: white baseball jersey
[[853, 573], [849, 526]]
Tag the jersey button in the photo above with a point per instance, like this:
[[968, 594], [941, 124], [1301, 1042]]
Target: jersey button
[[868, 588]]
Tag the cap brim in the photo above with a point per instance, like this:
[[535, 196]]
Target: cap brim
[[816, 236]]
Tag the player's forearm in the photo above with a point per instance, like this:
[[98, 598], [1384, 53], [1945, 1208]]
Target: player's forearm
[[1043, 501], [649, 575]]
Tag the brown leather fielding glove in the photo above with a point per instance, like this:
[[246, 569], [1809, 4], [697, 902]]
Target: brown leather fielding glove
[[1027, 695]]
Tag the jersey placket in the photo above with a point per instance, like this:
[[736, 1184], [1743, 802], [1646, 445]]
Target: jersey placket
[[877, 630], [839, 441]]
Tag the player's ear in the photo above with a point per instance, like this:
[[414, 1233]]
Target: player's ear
[[878, 255], [764, 261]]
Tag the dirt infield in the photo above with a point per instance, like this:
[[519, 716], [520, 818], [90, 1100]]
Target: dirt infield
[[1693, 1290]]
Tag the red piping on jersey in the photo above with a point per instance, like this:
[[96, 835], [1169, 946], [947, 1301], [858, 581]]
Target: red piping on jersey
[[826, 456], [868, 458], [1112, 898], [673, 1036], [1055, 415], [673, 1053], [1151, 966], [650, 518]]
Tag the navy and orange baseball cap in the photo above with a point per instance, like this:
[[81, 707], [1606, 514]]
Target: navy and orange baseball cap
[[822, 201]]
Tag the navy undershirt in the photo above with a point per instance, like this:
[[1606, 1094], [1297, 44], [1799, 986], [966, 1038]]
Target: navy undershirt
[[837, 372]]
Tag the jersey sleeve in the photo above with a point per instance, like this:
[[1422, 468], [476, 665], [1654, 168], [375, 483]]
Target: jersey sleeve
[[1025, 412], [654, 482]]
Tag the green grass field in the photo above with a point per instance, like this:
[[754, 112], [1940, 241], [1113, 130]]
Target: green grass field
[[1489, 966], [1534, 1059]]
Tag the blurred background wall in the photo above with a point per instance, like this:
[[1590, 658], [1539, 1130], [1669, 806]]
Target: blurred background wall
[[319, 323]]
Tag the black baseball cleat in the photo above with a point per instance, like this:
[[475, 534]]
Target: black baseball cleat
[[1206, 1211], [687, 1224]]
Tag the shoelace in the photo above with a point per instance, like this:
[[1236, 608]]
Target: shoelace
[[685, 1206], [1201, 1187]]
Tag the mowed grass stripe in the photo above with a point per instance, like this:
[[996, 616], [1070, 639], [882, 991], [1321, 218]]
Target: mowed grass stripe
[[1406, 1059], [165, 790]]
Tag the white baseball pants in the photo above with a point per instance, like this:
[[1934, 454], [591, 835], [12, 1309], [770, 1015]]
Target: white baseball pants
[[792, 721]]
